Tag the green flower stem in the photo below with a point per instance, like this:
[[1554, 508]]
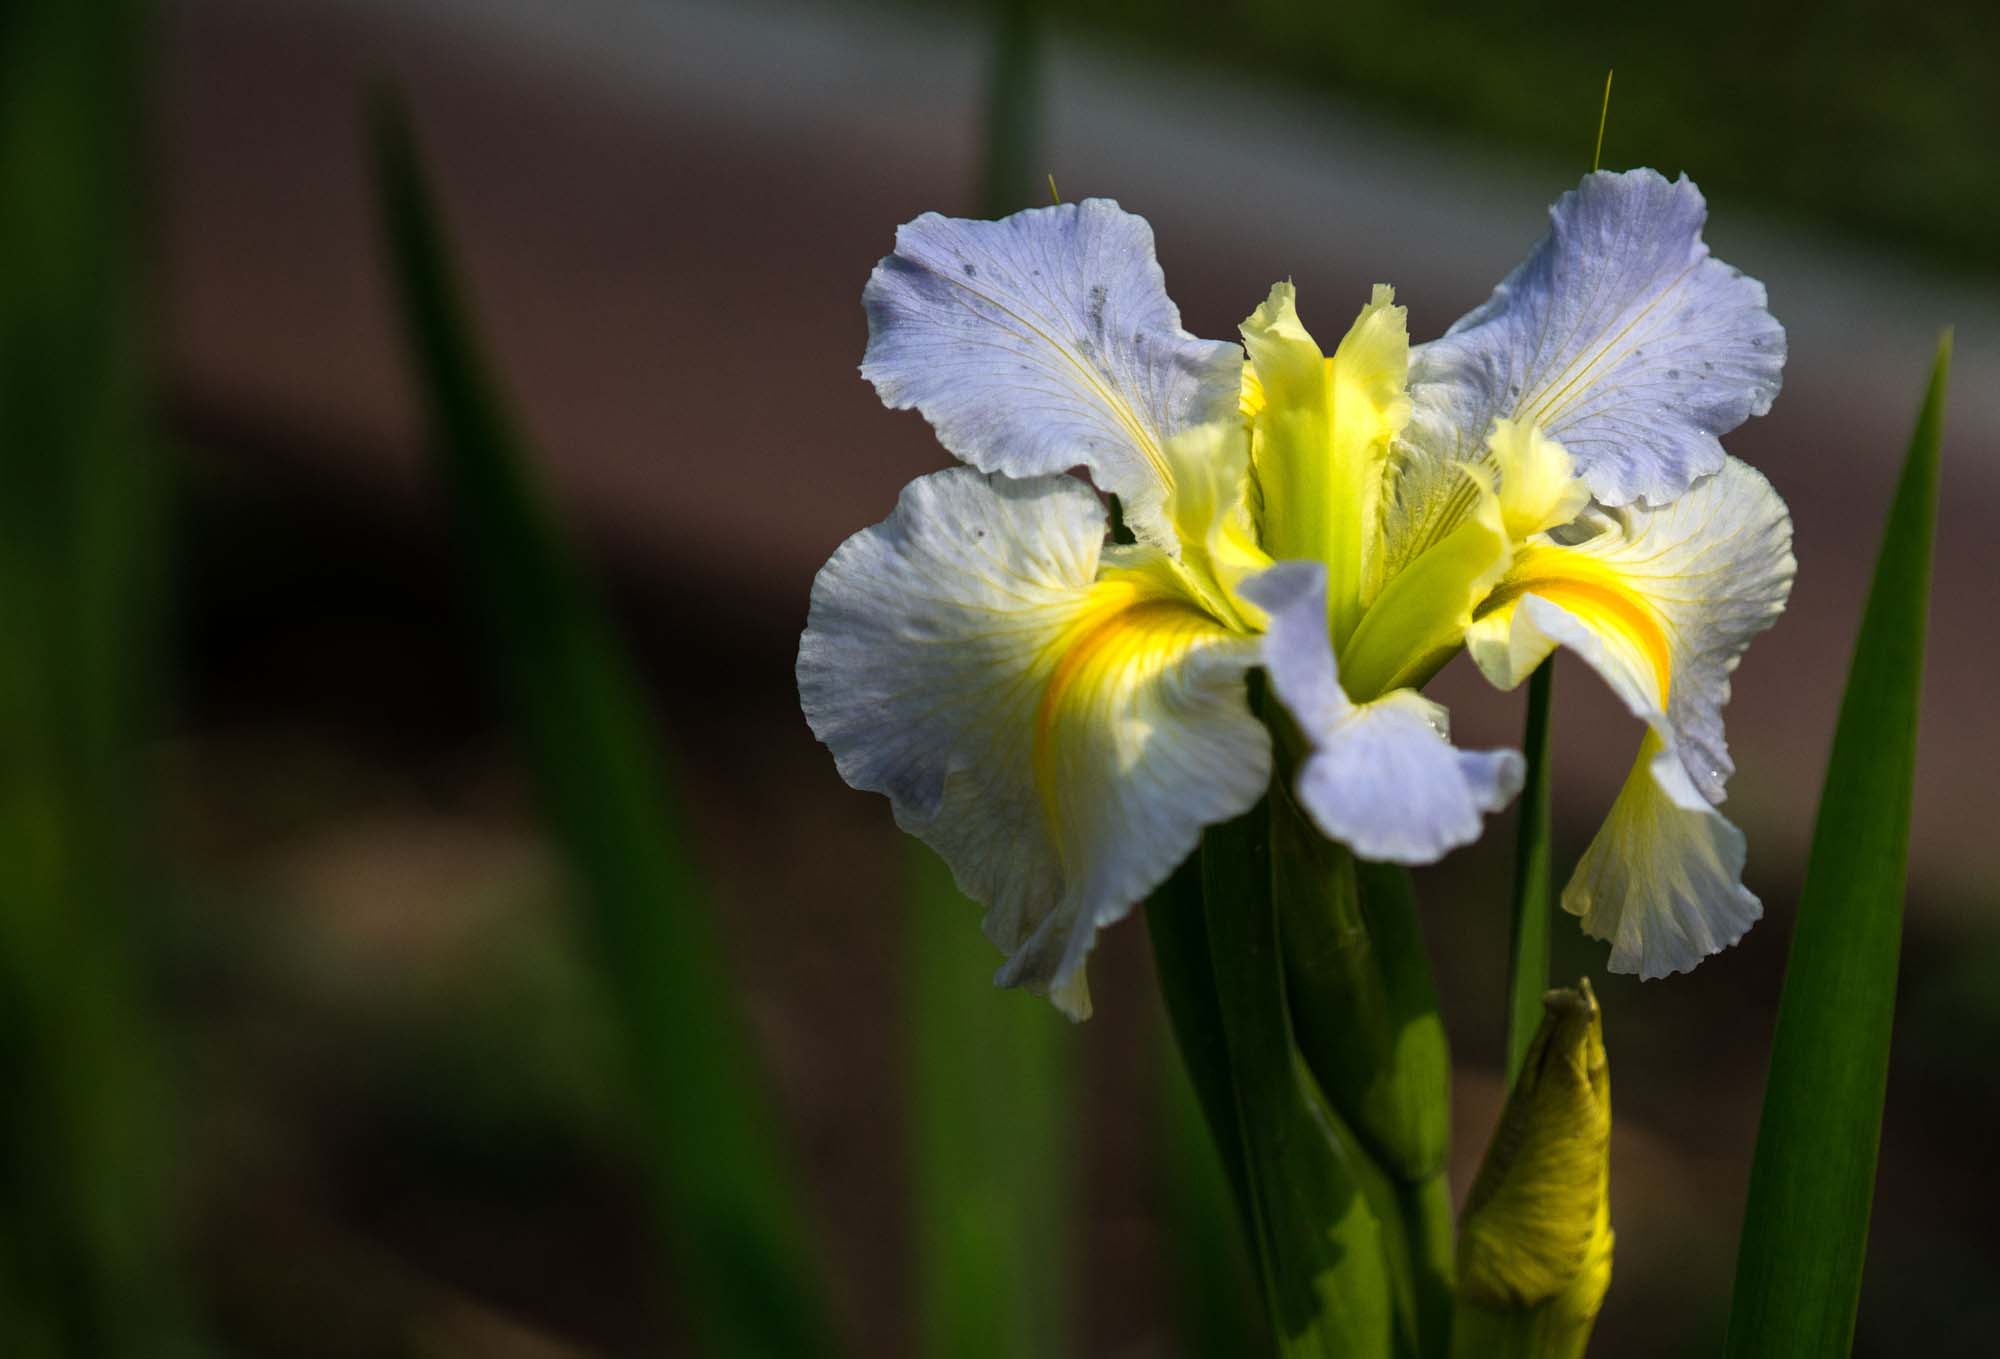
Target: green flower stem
[[1528, 952], [1178, 927], [1319, 1243], [1431, 1238]]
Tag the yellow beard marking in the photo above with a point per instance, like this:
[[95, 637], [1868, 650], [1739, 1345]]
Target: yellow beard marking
[[1127, 639], [1598, 597]]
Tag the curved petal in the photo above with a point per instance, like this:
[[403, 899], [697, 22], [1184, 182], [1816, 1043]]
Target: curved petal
[[1382, 777], [1619, 335], [1042, 342], [1662, 881], [1662, 604], [1058, 733]]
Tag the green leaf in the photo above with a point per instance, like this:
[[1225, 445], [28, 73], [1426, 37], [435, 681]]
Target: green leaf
[[1805, 1225], [1365, 1018], [994, 1141], [1216, 1304], [1528, 951], [1377, 1049], [723, 1186], [88, 1151], [1322, 1249]]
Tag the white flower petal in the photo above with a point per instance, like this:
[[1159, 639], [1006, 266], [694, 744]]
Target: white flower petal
[[1619, 335], [1662, 880], [1059, 735], [1662, 603], [1382, 777], [1043, 342]]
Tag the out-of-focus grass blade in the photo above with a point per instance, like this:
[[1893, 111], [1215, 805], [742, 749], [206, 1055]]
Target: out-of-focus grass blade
[[993, 1140], [85, 1265], [1528, 951], [1805, 1225], [726, 1193], [1009, 179], [992, 1105]]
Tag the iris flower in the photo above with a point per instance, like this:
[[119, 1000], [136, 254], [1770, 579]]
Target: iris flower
[[1059, 708]]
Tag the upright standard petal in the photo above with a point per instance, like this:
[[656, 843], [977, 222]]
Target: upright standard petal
[[1058, 732], [1619, 335], [1046, 341], [1322, 427], [1381, 777], [1662, 604]]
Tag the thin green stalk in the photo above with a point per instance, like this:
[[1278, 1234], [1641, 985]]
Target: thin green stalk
[[724, 1189], [1805, 1225], [1528, 940], [1013, 111]]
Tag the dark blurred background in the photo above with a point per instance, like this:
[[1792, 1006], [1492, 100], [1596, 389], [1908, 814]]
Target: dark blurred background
[[402, 1129]]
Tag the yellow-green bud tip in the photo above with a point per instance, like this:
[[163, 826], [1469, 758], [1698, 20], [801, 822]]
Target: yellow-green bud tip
[[1537, 1225]]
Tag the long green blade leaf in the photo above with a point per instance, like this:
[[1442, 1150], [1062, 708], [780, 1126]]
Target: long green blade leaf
[[725, 1190], [1322, 1248], [1528, 951], [993, 1140], [1216, 1305], [1805, 1225], [85, 1150]]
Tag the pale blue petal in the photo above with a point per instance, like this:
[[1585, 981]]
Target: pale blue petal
[[1662, 881], [932, 641], [1381, 778], [1043, 342], [1620, 335]]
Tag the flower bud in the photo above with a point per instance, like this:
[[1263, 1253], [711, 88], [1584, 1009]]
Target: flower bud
[[1534, 1246]]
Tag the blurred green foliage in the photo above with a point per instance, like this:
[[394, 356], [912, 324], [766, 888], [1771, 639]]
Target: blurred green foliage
[[994, 1130], [1874, 119], [726, 1195], [85, 1159]]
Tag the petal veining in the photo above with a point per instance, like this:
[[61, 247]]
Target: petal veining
[[1046, 341], [1662, 880], [1619, 335], [1661, 603], [1058, 730]]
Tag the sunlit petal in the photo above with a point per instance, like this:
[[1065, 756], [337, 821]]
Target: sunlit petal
[[1381, 777], [1662, 881], [1321, 433], [1043, 342], [1619, 335], [1662, 603], [1060, 734]]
